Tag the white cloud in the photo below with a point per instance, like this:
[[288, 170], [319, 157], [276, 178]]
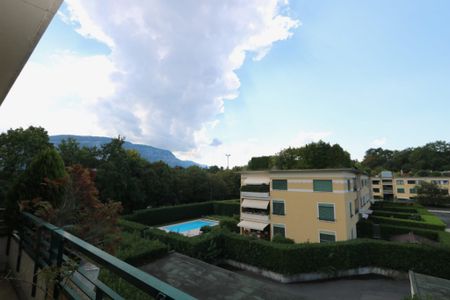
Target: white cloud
[[59, 96], [379, 142], [176, 61]]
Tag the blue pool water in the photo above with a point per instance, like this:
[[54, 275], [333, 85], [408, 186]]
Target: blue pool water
[[191, 225]]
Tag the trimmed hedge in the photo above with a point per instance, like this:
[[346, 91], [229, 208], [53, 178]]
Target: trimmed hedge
[[169, 214], [330, 257], [426, 224], [227, 208], [130, 226], [364, 229], [205, 246], [138, 251], [400, 215]]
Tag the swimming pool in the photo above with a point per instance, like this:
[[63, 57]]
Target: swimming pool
[[190, 228]]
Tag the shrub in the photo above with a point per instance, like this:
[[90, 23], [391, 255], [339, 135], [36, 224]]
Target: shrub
[[205, 229], [229, 224], [428, 223], [282, 240], [167, 214], [400, 215], [256, 188], [365, 230], [227, 208], [138, 251], [130, 226]]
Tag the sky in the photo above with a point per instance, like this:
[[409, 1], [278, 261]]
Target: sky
[[247, 78]]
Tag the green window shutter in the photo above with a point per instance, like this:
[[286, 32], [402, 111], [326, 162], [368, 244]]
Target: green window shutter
[[327, 237], [350, 208], [413, 191], [401, 191], [279, 184], [279, 230], [278, 207], [323, 185], [326, 212]]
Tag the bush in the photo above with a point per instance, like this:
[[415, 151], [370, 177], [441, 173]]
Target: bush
[[229, 224], [205, 229], [400, 215], [138, 251], [205, 246], [365, 230], [282, 240], [227, 208], [428, 223], [291, 259], [168, 214], [130, 226], [256, 188]]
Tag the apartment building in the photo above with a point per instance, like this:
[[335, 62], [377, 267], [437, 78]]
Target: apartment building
[[388, 187], [303, 205]]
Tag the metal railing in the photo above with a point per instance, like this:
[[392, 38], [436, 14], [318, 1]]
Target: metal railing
[[51, 246]]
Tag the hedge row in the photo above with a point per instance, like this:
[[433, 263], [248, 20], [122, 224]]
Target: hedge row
[[400, 215], [428, 223], [330, 257], [365, 230], [168, 214], [206, 246]]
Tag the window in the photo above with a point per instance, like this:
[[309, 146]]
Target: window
[[327, 237], [350, 208], [349, 185], [411, 182], [278, 207], [323, 185], [400, 182], [279, 184], [375, 182], [444, 181], [401, 191], [376, 190], [278, 229], [413, 191], [326, 212]]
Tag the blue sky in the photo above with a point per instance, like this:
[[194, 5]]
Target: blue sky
[[359, 73]]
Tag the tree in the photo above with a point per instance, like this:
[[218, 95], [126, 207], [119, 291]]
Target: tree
[[318, 155], [18, 147], [431, 194], [260, 163], [72, 154]]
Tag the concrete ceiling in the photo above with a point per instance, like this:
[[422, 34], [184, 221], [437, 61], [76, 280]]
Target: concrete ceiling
[[22, 23]]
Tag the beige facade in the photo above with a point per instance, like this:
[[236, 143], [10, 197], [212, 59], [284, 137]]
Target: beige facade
[[403, 187], [310, 205]]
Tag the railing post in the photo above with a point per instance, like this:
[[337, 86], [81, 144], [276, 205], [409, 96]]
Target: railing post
[[21, 237], [98, 294], [59, 259], [37, 250]]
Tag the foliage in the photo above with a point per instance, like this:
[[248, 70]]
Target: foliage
[[229, 224], [18, 147], [415, 161], [256, 188], [400, 215], [434, 224], [72, 154], [365, 227], [431, 194], [168, 214], [282, 240], [261, 163], [318, 155], [130, 226]]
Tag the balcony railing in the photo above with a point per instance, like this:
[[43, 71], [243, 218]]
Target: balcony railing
[[50, 246], [255, 217]]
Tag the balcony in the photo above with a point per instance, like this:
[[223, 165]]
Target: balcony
[[255, 191], [255, 217], [39, 246]]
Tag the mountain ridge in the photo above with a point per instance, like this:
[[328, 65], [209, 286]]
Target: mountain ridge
[[147, 152]]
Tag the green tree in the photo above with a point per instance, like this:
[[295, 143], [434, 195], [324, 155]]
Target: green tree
[[72, 154], [260, 163], [431, 194], [318, 155]]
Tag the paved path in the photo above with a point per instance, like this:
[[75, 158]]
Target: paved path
[[205, 281], [443, 214]]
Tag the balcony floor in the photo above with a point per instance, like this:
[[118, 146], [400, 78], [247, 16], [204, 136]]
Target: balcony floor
[[6, 289]]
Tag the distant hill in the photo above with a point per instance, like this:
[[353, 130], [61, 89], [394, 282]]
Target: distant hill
[[149, 153]]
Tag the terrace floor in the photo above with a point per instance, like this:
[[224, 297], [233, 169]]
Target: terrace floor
[[6, 289], [205, 281]]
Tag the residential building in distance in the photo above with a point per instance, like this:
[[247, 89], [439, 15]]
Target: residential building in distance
[[303, 205], [388, 187]]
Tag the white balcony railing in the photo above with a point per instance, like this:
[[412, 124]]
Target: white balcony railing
[[254, 195]]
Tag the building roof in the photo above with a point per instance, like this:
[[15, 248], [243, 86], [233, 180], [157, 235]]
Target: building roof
[[336, 170]]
